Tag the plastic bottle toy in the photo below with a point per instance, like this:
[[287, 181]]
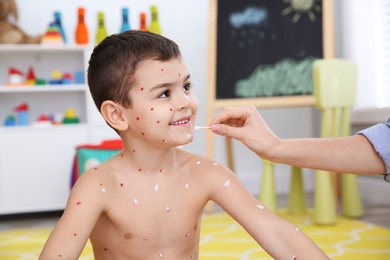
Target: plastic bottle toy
[[81, 29], [154, 25], [101, 32], [125, 20]]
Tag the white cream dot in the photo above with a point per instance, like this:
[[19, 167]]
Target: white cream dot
[[227, 184], [260, 206]]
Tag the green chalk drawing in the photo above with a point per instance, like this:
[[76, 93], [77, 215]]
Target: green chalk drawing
[[284, 78]]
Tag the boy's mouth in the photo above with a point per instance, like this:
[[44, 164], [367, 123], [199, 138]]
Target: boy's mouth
[[181, 121]]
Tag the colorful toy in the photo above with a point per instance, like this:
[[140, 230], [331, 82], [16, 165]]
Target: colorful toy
[[88, 156], [53, 36], [125, 20], [154, 25], [70, 117], [67, 78], [30, 77], [43, 121], [101, 32], [81, 29], [9, 32], [57, 21], [56, 77], [22, 114], [15, 76], [143, 22], [79, 77], [10, 121]]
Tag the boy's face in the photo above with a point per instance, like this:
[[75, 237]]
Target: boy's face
[[163, 107]]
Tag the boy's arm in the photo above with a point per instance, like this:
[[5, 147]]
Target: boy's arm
[[278, 237], [72, 231]]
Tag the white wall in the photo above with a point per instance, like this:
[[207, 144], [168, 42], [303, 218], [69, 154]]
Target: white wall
[[185, 22]]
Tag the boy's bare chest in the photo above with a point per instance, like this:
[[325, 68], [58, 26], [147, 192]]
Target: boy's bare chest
[[152, 216]]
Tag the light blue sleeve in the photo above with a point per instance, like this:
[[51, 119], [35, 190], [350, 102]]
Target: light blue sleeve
[[379, 136]]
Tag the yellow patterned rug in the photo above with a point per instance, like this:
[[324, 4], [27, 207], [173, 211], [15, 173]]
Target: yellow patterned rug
[[223, 239]]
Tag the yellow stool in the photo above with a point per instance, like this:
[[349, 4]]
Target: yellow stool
[[335, 92]]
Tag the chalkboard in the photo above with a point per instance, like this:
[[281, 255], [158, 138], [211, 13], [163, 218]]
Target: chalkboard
[[272, 41], [266, 48]]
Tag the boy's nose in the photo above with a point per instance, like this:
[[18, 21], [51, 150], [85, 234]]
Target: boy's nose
[[185, 102]]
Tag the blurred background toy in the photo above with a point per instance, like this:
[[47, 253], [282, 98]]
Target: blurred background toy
[[57, 21], [125, 20], [70, 116], [42, 121], [15, 76], [142, 18], [10, 120], [67, 79], [101, 32], [79, 77], [22, 111], [9, 32], [81, 29], [30, 80], [56, 77], [53, 36], [154, 25]]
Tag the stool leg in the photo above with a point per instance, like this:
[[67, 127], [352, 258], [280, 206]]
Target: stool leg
[[324, 206], [352, 203], [267, 192], [296, 197]]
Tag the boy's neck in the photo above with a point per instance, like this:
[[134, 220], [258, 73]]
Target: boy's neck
[[150, 159]]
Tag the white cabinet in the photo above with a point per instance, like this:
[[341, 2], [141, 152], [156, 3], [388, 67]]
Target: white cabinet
[[36, 162]]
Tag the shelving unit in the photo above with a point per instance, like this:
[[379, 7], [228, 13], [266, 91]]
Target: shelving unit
[[36, 162]]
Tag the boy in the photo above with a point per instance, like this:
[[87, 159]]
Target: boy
[[146, 202]]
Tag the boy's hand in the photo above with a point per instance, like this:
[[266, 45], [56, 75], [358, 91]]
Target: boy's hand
[[246, 125]]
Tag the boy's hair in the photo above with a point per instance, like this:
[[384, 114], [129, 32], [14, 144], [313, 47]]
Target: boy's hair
[[114, 61]]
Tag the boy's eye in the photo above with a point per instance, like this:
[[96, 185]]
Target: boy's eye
[[166, 93], [187, 87]]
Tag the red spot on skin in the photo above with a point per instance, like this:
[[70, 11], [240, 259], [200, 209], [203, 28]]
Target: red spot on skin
[[179, 74], [160, 170], [188, 235], [101, 184], [105, 249], [163, 141], [145, 238], [121, 184], [137, 118], [60, 256], [158, 122], [95, 168], [162, 69], [74, 234], [139, 169], [152, 109], [142, 89], [121, 154], [143, 134], [171, 109], [78, 203]]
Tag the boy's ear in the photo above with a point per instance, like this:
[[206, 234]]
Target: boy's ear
[[113, 114]]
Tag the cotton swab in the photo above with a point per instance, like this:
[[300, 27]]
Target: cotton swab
[[202, 127]]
